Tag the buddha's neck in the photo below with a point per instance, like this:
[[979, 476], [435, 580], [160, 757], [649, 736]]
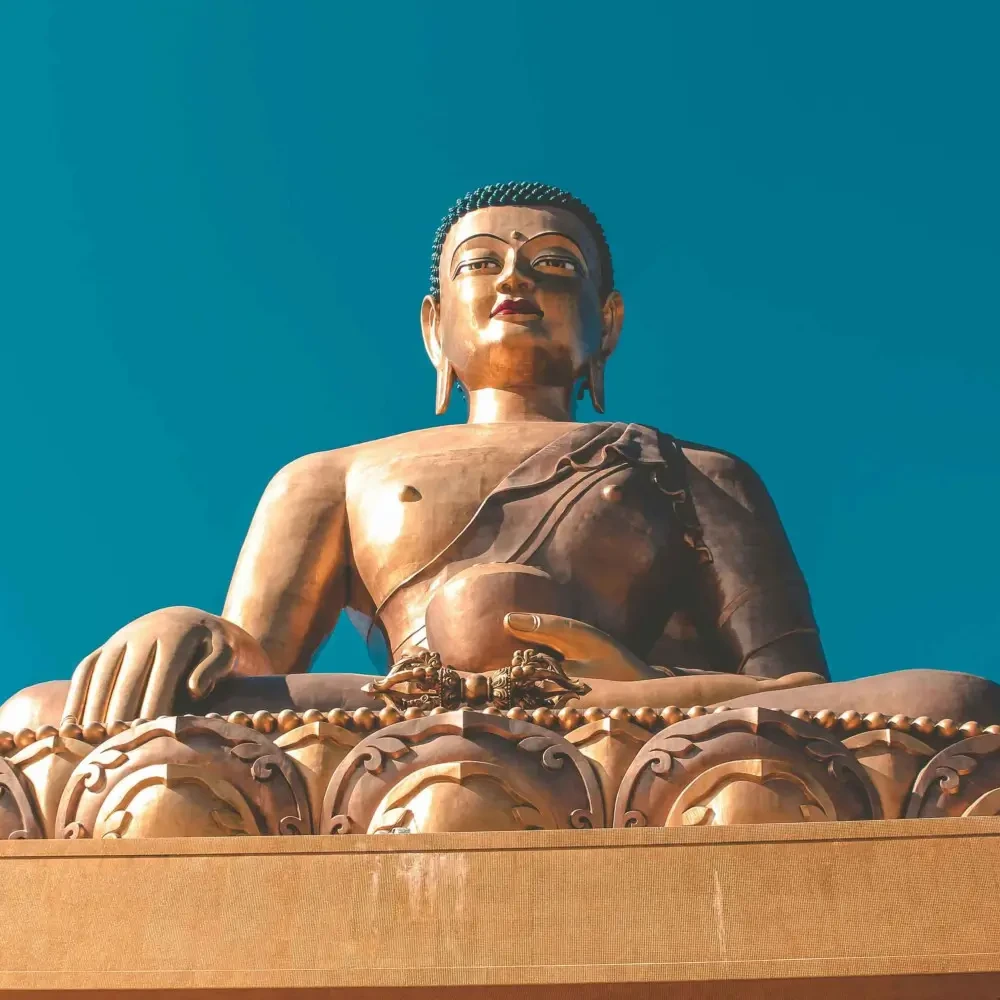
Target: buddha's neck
[[535, 402]]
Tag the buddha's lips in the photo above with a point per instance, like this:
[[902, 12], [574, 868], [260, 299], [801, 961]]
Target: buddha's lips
[[516, 307]]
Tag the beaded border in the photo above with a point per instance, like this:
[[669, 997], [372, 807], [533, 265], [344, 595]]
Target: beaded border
[[565, 720]]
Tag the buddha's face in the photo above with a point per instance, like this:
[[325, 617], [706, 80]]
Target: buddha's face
[[520, 300]]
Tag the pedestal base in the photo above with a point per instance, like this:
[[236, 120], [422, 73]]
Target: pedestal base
[[867, 909]]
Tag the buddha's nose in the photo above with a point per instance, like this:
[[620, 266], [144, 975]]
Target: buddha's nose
[[513, 278]]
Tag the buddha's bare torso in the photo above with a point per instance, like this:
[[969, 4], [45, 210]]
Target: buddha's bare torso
[[617, 560], [611, 553], [406, 498]]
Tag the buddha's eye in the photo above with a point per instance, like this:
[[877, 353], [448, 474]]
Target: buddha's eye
[[478, 265], [565, 264]]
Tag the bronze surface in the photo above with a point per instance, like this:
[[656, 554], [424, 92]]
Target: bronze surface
[[431, 770]]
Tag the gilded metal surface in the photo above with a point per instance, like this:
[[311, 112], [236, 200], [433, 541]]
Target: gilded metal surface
[[317, 748], [462, 771], [938, 733], [45, 766], [17, 817], [534, 680], [893, 760], [610, 745], [187, 776], [420, 681], [744, 766], [962, 780], [431, 770]]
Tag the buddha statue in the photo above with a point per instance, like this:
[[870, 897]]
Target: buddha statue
[[654, 570]]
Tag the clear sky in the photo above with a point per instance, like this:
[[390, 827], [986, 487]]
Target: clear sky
[[216, 225]]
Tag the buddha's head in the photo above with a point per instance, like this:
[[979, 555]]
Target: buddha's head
[[521, 293]]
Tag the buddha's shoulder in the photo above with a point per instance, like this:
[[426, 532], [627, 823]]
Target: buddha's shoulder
[[728, 471], [334, 466], [714, 461], [316, 478]]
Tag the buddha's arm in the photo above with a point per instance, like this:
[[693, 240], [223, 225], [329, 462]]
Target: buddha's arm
[[288, 588], [291, 579], [687, 690], [750, 601]]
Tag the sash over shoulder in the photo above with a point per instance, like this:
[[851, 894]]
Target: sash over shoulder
[[517, 515]]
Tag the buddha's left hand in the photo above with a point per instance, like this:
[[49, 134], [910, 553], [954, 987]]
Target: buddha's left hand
[[586, 651], [594, 655]]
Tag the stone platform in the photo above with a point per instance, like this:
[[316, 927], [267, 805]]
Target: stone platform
[[869, 909]]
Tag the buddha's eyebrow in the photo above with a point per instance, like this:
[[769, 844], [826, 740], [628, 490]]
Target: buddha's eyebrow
[[554, 232], [476, 236]]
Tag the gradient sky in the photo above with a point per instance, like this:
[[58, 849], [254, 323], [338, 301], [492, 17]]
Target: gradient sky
[[216, 225]]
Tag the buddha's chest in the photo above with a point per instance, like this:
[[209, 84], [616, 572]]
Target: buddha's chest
[[607, 537], [617, 543], [405, 508]]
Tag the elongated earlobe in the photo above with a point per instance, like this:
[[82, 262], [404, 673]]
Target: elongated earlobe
[[445, 380], [595, 382], [430, 314]]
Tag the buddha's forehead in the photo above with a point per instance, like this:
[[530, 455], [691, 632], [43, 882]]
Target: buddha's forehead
[[517, 223]]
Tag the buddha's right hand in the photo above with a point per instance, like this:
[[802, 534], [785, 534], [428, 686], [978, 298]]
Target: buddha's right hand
[[138, 671]]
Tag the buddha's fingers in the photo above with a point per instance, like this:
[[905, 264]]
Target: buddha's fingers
[[79, 684], [174, 656], [214, 666], [595, 653], [125, 698], [576, 640], [118, 663]]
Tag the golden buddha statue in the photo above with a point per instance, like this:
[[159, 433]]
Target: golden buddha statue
[[654, 569]]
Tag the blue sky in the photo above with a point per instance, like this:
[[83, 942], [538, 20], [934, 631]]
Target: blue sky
[[217, 219]]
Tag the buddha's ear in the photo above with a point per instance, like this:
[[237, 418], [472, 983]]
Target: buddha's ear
[[430, 323], [612, 317]]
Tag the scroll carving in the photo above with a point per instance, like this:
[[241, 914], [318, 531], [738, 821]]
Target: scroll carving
[[45, 766], [893, 761], [744, 766], [962, 780], [185, 776], [317, 748], [343, 772], [610, 745], [17, 817], [462, 771]]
